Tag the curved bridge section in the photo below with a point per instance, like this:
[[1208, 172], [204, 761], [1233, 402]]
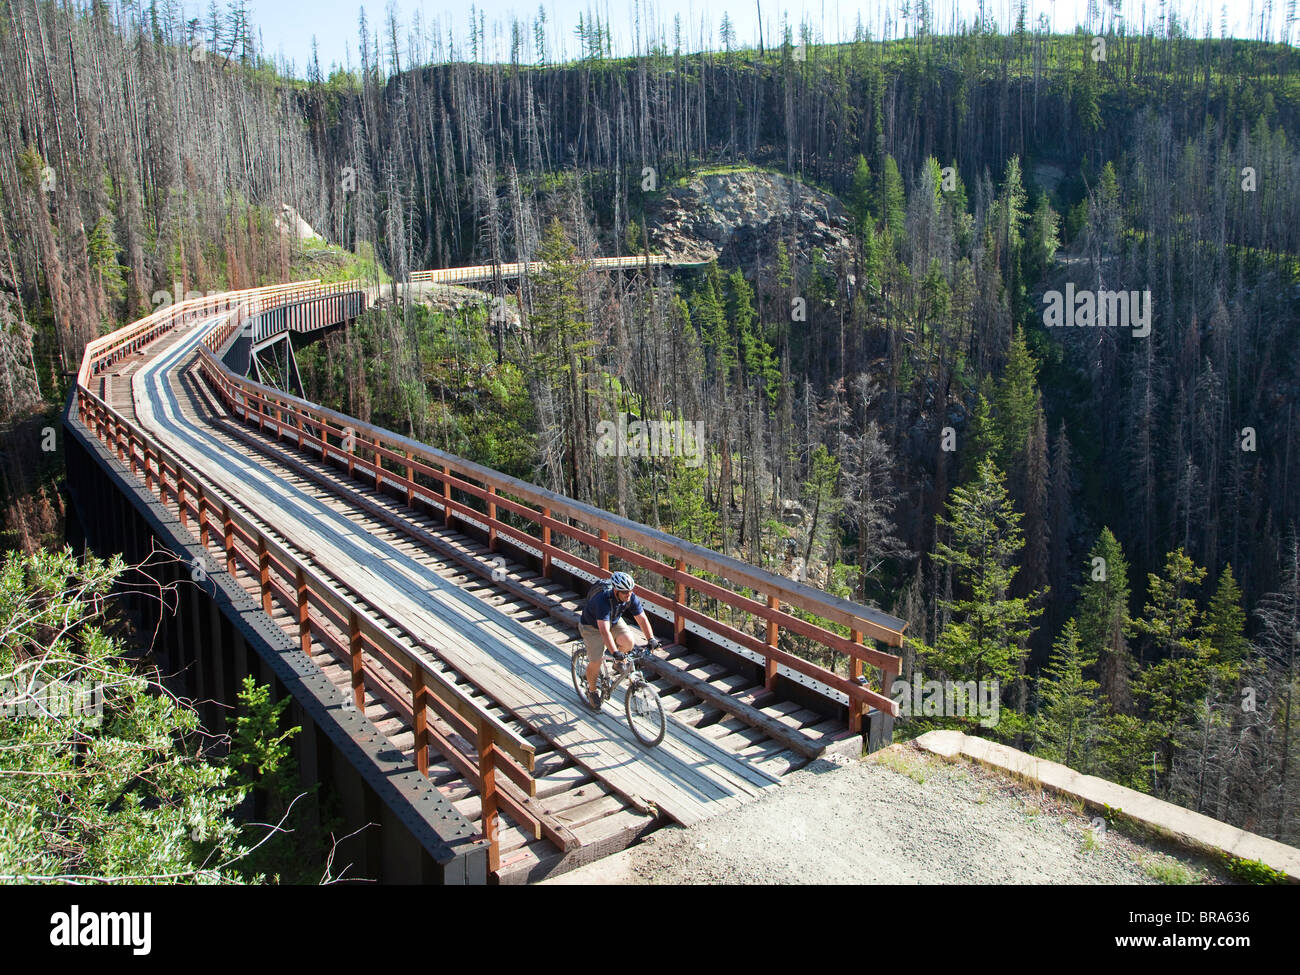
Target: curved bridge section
[[419, 607]]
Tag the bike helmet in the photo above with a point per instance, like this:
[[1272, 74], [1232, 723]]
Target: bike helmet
[[621, 581]]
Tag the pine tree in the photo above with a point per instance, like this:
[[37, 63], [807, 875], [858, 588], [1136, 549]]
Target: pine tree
[[987, 635], [1011, 216], [1225, 624], [1060, 521], [1104, 619], [1017, 402], [1175, 685], [892, 200], [984, 442], [861, 197], [1068, 712], [1034, 495]]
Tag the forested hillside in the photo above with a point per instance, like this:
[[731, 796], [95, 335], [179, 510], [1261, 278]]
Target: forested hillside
[[1102, 519]]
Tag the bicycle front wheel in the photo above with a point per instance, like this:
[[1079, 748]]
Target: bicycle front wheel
[[645, 714]]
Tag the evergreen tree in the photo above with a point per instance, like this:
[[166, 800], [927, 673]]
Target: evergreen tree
[[1017, 402], [892, 200], [1104, 619], [861, 197], [1175, 685], [984, 442], [1225, 624], [1068, 711], [987, 635]]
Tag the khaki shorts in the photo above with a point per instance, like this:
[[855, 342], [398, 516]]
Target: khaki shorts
[[624, 639]]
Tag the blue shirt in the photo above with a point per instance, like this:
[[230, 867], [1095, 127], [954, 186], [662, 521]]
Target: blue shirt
[[602, 605]]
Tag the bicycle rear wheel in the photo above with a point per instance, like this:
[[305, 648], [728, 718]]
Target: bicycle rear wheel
[[645, 714], [578, 671]]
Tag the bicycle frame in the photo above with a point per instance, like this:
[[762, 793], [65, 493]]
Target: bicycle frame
[[616, 676]]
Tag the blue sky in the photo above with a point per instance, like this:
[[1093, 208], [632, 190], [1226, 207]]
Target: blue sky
[[287, 26]]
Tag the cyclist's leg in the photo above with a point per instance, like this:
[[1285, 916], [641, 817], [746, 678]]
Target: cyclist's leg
[[624, 638], [595, 645]]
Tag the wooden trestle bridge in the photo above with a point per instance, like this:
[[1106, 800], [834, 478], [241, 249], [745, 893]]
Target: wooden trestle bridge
[[420, 608]]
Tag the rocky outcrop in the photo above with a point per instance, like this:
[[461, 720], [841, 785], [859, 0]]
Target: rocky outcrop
[[292, 224], [737, 217]]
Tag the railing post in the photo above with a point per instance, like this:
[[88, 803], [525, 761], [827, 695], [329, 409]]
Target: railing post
[[772, 635], [228, 531], [130, 451], [679, 600], [604, 556], [182, 512], [487, 773], [264, 573], [420, 719], [203, 517], [162, 481], [379, 468], [410, 482], [351, 443], [148, 469], [304, 613], [855, 675], [887, 682], [358, 667], [446, 496], [546, 544], [297, 415], [492, 518]]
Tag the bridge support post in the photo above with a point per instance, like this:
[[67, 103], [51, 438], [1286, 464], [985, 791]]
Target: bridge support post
[[492, 519]]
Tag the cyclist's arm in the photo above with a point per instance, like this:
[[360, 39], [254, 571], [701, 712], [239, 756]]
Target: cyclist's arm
[[644, 622]]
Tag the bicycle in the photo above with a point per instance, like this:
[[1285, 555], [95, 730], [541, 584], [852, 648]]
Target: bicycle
[[641, 704]]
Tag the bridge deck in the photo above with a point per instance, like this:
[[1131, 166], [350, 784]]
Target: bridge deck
[[502, 641]]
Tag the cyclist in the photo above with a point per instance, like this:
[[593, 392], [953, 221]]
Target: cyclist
[[603, 625]]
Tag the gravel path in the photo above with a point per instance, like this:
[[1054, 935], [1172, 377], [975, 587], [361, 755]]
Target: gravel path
[[901, 816]]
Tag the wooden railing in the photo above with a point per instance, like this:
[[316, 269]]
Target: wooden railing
[[421, 472]]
